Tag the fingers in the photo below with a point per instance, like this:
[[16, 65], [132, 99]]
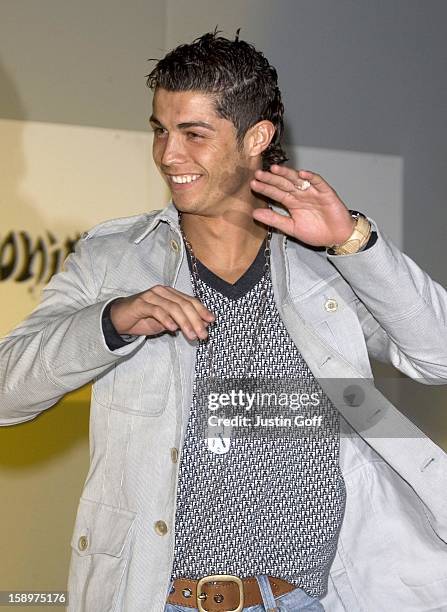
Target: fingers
[[201, 309], [161, 309], [175, 310], [289, 184], [290, 199], [289, 181], [153, 318], [271, 191], [288, 189], [315, 180], [274, 219]]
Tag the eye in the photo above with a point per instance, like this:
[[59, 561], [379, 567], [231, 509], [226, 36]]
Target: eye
[[158, 131], [194, 135]]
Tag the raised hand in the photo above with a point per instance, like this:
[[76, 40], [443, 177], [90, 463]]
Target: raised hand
[[161, 309], [317, 215]]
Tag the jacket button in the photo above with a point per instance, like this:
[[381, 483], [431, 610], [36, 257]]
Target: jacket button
[[161, 528], [83, 543], [174, 246], [174, 455], [331, 305]]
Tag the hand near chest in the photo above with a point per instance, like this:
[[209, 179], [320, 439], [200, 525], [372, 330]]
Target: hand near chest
[[159, 309]]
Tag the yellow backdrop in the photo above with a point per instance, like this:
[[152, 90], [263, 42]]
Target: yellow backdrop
[[57, 181]]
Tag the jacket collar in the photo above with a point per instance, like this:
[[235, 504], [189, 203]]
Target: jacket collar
[[310, 267], [168, 214]]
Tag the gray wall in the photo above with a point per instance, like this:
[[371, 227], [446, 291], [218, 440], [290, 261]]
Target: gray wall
[[81, 62], [357, 75]]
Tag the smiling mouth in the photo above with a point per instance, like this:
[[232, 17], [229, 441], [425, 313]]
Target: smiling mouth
[[182, 179]]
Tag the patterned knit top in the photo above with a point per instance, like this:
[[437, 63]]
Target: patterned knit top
[[273, 504]]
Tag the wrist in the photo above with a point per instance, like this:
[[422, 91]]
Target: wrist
[[115, 318], [359, 237], [114, 339]]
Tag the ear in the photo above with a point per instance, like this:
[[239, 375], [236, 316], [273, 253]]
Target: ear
[[258, 137]]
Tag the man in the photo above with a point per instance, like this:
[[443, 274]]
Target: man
[[223, 286]]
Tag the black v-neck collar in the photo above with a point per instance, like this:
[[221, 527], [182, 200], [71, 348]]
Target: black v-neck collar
[[247, 281]]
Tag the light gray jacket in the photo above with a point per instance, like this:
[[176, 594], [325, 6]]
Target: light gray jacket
[[392, 552]]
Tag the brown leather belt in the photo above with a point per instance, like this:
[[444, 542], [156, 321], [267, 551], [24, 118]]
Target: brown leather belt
[[223, 592]]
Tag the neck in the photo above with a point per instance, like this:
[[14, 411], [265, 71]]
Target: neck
[[226, 244]]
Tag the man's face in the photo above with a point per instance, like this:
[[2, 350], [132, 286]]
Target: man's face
[[197, 154]]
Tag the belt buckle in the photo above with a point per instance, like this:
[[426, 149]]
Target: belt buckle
[[221, 578]]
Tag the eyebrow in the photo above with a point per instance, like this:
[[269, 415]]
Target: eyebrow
[[186, 125]]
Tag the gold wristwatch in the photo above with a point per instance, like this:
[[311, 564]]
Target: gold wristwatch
[[357, 240]]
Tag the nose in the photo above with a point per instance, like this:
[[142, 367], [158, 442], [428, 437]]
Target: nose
[[172, 151]]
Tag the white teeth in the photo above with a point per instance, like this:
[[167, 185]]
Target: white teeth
[[184, 178]]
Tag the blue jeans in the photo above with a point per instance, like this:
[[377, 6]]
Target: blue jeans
[[295, 601]]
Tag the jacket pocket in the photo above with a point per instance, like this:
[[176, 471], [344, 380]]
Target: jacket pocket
[[331, 309], [392, 553], [100, 552], [428, 577], [138, 384], [343, 597]]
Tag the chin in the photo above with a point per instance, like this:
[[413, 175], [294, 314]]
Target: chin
[[187, 207]]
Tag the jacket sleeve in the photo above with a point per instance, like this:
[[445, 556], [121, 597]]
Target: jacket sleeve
[[60, 346], [403, 311]]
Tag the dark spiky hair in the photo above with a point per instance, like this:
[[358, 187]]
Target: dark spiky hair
[[243, 83]]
